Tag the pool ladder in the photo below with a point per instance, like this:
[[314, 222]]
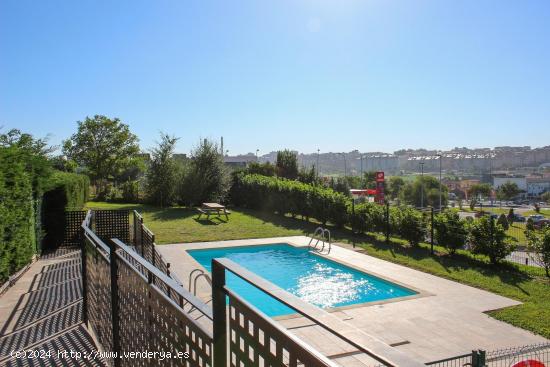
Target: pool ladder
[[194, 276], [321, 236]]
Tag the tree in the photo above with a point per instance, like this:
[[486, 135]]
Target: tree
[[207, 178], [507, 191], [477, 190], [395, 186], [450, 231], [307, 176], [546, 197], [409, 224], [490, 239], [424, 191], [103, 146], [503, 221], [287, 164], [162, 175], [539, 243]]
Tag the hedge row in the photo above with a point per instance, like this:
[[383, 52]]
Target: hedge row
[[17, 216], [287, 196]]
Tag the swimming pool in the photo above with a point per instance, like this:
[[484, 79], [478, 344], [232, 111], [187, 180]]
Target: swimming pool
[[312, 278]]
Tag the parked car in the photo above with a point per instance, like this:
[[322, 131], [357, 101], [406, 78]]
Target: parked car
[[542, 223], [536, 218], [519, 218]]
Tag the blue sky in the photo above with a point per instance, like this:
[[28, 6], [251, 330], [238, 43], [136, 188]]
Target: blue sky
[[301, 74]]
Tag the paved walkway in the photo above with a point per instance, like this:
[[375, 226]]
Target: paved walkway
[[42, 313]]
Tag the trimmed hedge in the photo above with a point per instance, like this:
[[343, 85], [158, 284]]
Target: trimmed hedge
[[65, 191], [17, 217], [286, 196]]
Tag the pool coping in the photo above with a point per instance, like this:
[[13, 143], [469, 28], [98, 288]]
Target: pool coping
[[420, 293]]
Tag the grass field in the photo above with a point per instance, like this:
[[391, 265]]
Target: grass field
[[176, 225]]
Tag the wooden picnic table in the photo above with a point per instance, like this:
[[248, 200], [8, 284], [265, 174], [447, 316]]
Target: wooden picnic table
[[211, 208]]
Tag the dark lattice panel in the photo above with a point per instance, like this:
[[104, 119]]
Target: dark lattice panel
[[112, 224], [133, 307], [171, 329], [148, 243], [254, 341], [73, 228], [98, 278]]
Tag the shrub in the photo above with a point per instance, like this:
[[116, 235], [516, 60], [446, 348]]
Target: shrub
[[530, 225], [450, 231], [130, 191], [539, 243], [490, 239], [368, 217], [409, 224], [503, 221]]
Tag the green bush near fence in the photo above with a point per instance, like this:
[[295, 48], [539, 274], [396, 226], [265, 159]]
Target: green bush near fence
[[65, 191], [17, 232], [450, 231]]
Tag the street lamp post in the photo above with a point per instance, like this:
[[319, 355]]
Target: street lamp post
[[318, 150], [345, 165], [422, 185], [440, 164]]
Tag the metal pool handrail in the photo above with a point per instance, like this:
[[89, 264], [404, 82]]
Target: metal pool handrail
[[353, 336]]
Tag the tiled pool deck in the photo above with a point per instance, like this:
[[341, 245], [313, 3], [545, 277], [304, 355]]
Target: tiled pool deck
[[445, 320]]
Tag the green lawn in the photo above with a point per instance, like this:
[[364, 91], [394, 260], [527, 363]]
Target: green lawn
[[522, 283], [179, 225]]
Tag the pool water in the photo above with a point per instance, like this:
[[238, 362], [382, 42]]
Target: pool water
[[312, 278]]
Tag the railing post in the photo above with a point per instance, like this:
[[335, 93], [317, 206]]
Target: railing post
[[114, 302], [84, 278], [153, 250], [478, 358], [219, 315], [141, 237], [432, 231]]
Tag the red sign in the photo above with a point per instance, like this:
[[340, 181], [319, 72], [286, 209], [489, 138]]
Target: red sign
[[379, 176], [529, 363]]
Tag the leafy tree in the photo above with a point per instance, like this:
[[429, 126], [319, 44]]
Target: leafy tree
[[490, 239], [539, 243], [503, 221], [308, 176], [287, 164], [450, 231], [395, 186], [207, 178], [162, 175], [264, 169], [103, 146], [546, 197], [477, 190], [508, 191], [428, 187], [511, 217], [369, 179]]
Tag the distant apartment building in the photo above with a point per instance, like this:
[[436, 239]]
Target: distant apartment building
[[381, 162], [520, 181], [537, 186]]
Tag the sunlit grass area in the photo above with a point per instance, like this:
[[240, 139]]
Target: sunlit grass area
[[526, 284]]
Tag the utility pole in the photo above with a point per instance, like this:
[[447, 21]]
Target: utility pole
[[318, 150], [257, 150], [345, 165], [440, 168], [422, 185]]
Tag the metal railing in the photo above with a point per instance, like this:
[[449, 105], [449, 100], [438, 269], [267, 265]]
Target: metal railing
[[242, 314], [322, 236]]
